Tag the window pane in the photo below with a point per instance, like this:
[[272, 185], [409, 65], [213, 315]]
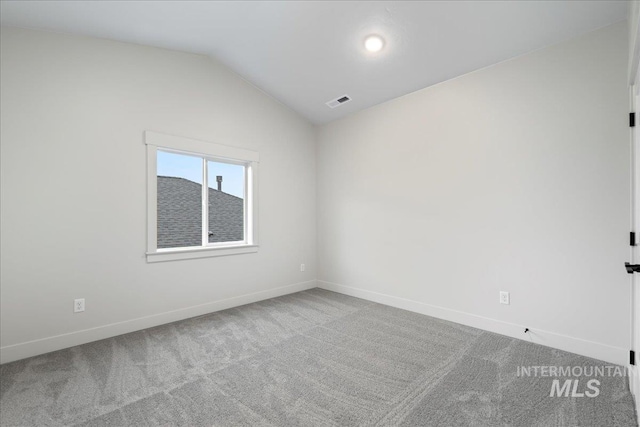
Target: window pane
[[226, 202], [179, 200]]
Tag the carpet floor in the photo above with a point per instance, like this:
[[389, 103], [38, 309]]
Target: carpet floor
[[314, 358]]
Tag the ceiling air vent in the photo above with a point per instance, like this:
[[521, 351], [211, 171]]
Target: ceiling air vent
[[338, 101]]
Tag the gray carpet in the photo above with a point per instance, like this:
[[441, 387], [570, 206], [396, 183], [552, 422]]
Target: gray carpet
[[314, 358]]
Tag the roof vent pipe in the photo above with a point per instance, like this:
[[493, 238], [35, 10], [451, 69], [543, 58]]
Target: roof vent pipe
[[219, 180]]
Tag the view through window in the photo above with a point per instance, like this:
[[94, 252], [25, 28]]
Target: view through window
[[180, 209]]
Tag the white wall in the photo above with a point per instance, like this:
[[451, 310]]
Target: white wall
[[73, 113], [514, 178]]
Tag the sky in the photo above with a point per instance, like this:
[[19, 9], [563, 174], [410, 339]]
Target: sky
[[188, 167]]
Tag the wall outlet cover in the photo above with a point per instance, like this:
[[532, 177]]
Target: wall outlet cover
[[504, 297]]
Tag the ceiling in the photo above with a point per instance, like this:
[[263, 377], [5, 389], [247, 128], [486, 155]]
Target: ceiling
[[307, 53]]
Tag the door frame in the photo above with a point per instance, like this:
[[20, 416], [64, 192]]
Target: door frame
[[634, 191]]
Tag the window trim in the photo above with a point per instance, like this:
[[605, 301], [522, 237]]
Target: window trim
[[208, 151]]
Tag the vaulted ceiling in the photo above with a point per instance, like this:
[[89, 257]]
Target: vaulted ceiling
[[307, 53]]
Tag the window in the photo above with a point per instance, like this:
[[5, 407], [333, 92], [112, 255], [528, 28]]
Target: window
[[201, 199]]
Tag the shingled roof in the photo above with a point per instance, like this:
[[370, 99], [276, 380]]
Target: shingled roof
[[180, 214]]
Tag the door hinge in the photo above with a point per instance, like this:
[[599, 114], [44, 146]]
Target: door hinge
[[632, 238], [632, 357], [632, 120]]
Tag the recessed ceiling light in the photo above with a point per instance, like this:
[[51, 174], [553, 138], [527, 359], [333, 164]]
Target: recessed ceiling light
[[374, 43]]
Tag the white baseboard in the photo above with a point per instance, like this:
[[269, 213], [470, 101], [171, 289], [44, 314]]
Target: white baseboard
[[13, 352], [592, 349], [604, 352]]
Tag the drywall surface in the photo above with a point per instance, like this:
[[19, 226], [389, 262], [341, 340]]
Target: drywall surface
[[73, 115], [512, 178]]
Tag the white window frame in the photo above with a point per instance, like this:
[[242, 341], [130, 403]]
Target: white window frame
[[207, 151]]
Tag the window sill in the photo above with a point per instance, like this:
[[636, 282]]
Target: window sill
[[178, 254]]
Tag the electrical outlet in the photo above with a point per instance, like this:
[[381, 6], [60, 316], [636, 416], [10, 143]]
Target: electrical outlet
[[78, 305], [302, 267], [504, 297]]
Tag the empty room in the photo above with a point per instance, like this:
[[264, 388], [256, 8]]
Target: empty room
[[319, 213]]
